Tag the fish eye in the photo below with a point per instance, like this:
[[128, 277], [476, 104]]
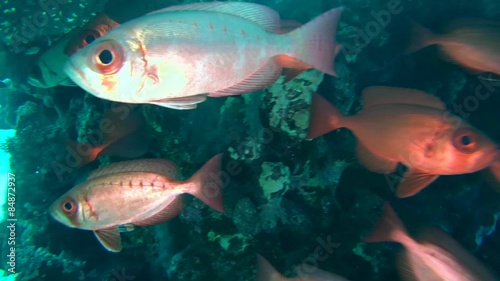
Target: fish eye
[[108, 57], [69, 206], [90, 38], [465, 140]]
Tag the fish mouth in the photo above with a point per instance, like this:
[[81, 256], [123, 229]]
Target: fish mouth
[[35, 82]]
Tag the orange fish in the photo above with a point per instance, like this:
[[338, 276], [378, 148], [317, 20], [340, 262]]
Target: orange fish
[[126, 136], [472, 43], [434, 257], [136, 192], [410, 127], [95, 28], [266, 272]]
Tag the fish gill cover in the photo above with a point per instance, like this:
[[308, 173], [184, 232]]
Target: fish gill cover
[[287, 199]]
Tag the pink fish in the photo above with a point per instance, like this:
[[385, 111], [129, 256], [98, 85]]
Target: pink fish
[[410, 127], [435, 257], [266, 272], [177, 56], [137, 192], [472, 43]]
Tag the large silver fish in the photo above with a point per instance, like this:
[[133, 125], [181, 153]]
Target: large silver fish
[[136, 192], [177, 56]]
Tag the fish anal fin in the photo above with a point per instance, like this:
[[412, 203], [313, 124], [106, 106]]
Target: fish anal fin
[[109, 238], [259, 14], [169, 212], [126, 228], [181, 103], [374, 162], [291, 67], [413, 182], [156, 166], [265, 76], [377, 95]]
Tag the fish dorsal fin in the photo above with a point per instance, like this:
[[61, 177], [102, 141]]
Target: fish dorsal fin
[[109, 238], [265, 76], [413, 182], [259, 14], [182, 103], [374, 162], [169, 212], [156, 166], [378, 95]]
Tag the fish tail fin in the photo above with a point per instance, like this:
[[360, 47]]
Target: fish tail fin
[[389, 228], [315, 42], [324, 117], [421, 37], [83, 153], [208, 184], [265, 271]]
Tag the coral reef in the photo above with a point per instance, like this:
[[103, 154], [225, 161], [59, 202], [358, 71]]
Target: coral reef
[[286, 198]]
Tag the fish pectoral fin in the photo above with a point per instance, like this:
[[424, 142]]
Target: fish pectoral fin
[[68, 82], [413, 182], [374, 162], [173, 209], [182, 103], [264, 16], [109, 238], [126, 228], [377, 95], [264, 77]]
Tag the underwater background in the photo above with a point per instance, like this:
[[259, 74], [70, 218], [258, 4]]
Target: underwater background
[[286, 198]]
